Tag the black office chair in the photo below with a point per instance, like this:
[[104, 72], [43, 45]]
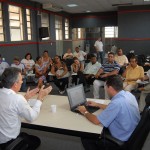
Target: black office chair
[[147, 101], [138, 137], [17, 144]]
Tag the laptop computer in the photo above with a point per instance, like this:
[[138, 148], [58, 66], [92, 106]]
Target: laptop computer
[[76, 97]]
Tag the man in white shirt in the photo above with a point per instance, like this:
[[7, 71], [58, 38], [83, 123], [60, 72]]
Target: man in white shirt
[[79, 54], [13, 106], [3, 65], [91, 69], [99, 48]]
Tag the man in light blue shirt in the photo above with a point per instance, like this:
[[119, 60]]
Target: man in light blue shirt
[[121, 116]]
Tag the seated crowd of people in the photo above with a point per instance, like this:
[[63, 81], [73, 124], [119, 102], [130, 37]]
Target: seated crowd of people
[[73, 65], [118, 75]]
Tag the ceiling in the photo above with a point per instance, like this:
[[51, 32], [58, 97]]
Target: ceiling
[[91, 5]]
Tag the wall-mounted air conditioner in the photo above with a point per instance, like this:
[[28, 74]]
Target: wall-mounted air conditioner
[[51, 7]]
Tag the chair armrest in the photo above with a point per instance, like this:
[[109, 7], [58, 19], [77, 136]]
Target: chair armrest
[[12, 145]]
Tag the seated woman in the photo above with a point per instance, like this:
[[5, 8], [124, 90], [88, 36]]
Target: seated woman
[[40, 72], [59, 69], [77, 67], [28, 63], [47, 61]]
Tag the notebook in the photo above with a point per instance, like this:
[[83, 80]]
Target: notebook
[[76, 97]]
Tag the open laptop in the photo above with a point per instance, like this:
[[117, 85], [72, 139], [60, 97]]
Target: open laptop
[[76, 97]]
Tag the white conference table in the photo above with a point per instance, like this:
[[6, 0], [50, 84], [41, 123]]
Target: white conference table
[[64, 121]]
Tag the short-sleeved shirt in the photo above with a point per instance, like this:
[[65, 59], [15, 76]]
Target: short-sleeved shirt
[[92, 68], [28, 63], [20, 66], [99, 45], [147, 87], [80, 55], [148, 74], [121, 60], [109, 67], [3, 66], [121, 116], [132, 73]]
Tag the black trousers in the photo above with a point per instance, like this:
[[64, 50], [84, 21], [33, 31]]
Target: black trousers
[[32, 141], [61, 83], [75, 79], [98, 144]]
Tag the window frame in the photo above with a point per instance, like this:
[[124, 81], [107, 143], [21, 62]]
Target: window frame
[[111, 32], [58, 28], [45, 23], [67, 29], [29, 34], [20, 20], [1, 25]]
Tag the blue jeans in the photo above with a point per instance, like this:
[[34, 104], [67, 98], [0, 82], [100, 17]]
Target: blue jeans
[[23, 86], [101, 56]]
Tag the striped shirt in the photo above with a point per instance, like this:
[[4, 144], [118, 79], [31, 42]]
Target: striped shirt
[[109, 67]]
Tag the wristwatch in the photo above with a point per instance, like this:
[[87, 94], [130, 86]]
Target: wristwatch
[[86, 112]]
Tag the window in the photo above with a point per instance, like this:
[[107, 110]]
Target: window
[[66, 28], [58, 27], [111, 32], [1, 24], [45, 22], [15, 23], [78, 33], [29, 28]]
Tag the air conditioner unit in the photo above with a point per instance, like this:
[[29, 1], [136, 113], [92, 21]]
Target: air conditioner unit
[[52, 7]]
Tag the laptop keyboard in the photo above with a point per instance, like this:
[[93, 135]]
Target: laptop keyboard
[[90, 109]]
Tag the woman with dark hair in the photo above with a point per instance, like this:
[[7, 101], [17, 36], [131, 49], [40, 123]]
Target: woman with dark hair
[[59, 69], [28, 63], [40, 72]]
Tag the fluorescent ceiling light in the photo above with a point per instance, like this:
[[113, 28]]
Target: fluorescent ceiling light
[[72, 5], [146, 0], [88, 11]]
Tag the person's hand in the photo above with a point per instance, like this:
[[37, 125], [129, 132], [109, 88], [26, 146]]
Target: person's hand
[[31, 93], [82, 109], [96, 76], [57, 75], [104, 76], [142, 79], [141, 89], [44, 92], [91, 103]]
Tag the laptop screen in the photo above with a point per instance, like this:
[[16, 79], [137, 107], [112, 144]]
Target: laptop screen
[[76, 96]]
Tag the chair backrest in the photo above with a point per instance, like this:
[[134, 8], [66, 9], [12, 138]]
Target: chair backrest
[[139, 135], [147, 101]]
